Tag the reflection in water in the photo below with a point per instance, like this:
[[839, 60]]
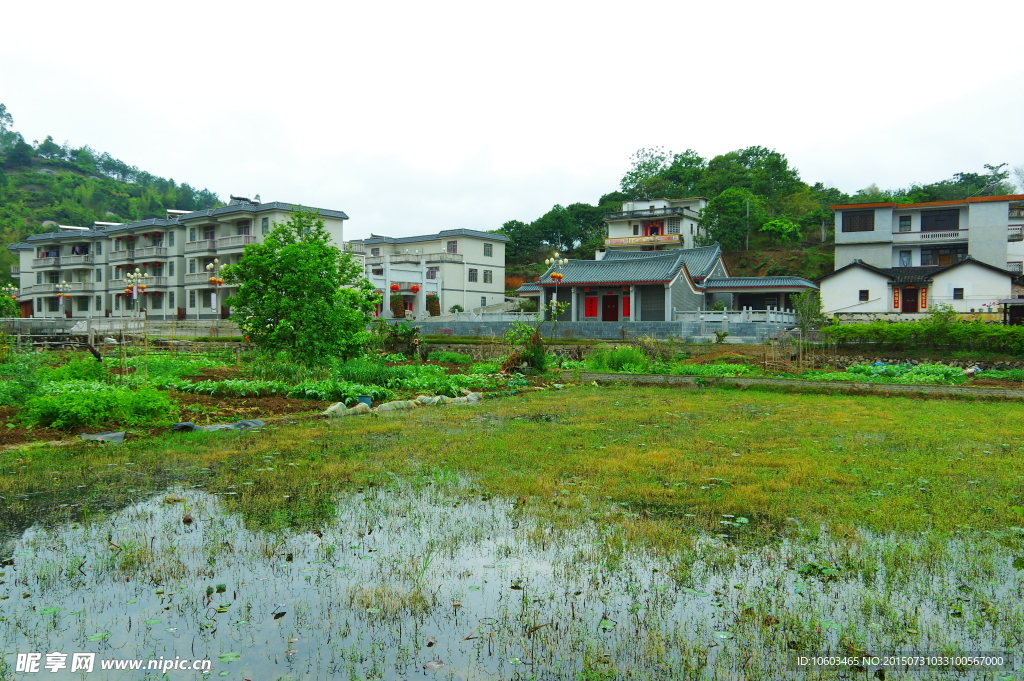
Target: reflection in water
[[442, 583]]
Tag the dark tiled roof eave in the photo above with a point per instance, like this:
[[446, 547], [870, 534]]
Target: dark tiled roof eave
[[261, 208], [443, 234], [719, 283]]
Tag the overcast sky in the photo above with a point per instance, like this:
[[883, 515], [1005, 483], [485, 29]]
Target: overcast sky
[[414, 117]]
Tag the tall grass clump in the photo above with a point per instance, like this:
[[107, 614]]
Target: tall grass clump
[[627, 359], [79, 404], [19, 378], [446, 357]]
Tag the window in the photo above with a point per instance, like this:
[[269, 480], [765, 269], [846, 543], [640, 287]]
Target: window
[[488, 277], [673, 226], [636, 230], [943, 256], [117, 273], [432, 272], [209, 233], [905, 259], [265, 226], [158, 239], [191, 233], [99, 274], [483, 301], [99, 248], [858, 220], [117, 245], [904, 223], [170, 269], [117, 302], [940, 220], [158, 269], [170, 238], [156, 302], [53, 304], [590, 306], [453, 247], [192, 269], [170, 300], [958, 294], [377, 271], [39, 277], [489, 250], [99, 303], [192, 298], [375, 252], [472, 275], [862, 296], [39, 304], [82, 303], [242, 227]]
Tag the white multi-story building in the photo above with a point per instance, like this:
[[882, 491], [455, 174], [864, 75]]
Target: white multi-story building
[[92, 264], [902, 258], [463, 267], [654, 225]]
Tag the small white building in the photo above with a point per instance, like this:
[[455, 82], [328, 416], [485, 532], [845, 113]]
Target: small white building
[[463, 267], [654, 225]]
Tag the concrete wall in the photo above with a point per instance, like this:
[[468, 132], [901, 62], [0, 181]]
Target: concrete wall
[[877, 254], [604, 330], [841, 292], [980, 285], [988, 222]]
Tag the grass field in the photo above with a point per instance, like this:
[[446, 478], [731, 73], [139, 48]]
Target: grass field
[[713, 531]]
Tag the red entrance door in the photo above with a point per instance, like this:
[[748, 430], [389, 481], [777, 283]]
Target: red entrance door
[[610, 309], [909, 300]]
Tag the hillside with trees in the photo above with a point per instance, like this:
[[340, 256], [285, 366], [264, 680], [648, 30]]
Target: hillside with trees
[[768, 220], [45, 182]]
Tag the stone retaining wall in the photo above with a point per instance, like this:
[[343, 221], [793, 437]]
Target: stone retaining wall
[[753, 331]]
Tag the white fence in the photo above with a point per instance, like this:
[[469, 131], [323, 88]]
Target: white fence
[[725, 317]]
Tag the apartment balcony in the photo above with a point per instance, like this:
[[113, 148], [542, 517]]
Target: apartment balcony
[[654, 240], [80, 260], [151, 252], [67, 287], [646, 213], [198, 278], [406, 258], [15, 270], [201, 246], [45, 262], [1017, 212], [240, 241], [930, 237], [148, 281], [443, 257], [356, 249], [1015, 267], [374, 260], [1014, 233], [120, 256]]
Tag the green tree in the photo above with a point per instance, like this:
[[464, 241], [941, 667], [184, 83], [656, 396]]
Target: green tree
[[523, 240], [648, 166], [20, 155], [8, 308], [50, 149], [807, 306], [300, 294], [781, 230], [729, 217]]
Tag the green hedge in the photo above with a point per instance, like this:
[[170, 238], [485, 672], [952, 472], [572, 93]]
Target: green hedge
[[925, 335]]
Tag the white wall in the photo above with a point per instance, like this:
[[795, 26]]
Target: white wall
[[840, 292], [980, 285]]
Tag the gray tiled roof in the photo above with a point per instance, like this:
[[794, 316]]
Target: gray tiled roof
[[758, 282], [528, 287], [914, 275], [699, 261], [19, 247], [73, 234], [151, 222], [444, 234], [261, 208], [657, 267]]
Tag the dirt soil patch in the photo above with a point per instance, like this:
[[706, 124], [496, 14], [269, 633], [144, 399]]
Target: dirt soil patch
[[205, 409], [16, 435], [996, 383]]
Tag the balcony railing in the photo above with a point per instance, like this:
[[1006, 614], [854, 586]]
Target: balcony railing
[[1013, 233], [120, 256], [374, 260], [151, 252], [657, 239], [1017, 267], [648, 213], [76, 260], [15, 270], [46, 262], [951, 235], [200, 246], [1017, 212], [199, 278], [443, 257], [235, 241], [67, 287]]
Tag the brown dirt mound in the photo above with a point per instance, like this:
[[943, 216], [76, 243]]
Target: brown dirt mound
[[19, 434], [204, 409], [996, 383]]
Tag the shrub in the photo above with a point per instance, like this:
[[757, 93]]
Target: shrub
[[617, 359], [484, 368], [19, 378], [76, 404], [446, 357]]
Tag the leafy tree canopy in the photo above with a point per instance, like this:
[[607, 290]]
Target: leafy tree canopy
[[730, 216], [298, 293]]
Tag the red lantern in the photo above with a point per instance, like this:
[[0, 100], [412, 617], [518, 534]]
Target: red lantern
[[117, 295], [117, 239], [557, 276], [117, 267], [131, 238], [396, 287], [145, 234], [145, 293], [414, 288]]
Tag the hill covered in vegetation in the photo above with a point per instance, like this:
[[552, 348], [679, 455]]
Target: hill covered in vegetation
[[43, 183]]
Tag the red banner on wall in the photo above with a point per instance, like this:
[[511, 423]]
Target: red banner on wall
[[895, 298], [590, 306], [924, 297], [625, 306]]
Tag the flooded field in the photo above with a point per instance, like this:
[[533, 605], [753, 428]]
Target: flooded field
[[428, 577]]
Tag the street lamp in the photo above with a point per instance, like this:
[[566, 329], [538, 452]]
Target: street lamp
[[136, 283], [62, 292], [214, 269], [557, 276]]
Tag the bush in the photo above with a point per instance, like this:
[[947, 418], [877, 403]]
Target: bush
[[19, 378], [484, 368], [937, 332], [78, 369], [618, 359], [446, 357], [77, 404]]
